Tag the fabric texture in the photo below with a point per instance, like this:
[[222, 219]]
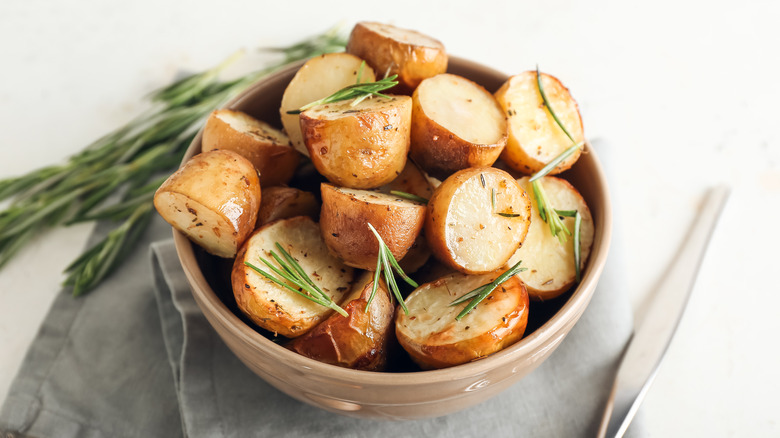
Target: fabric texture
[[136, 357]]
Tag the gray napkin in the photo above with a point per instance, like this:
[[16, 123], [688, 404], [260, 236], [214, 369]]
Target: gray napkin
[[137, 358]]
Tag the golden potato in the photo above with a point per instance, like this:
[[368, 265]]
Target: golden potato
[[267, 148], [316, 79], [534, 137], [344, 220], [359, 146], [213, 199], [285, 202], [391, 50], [435, 339], [455, 124], [411, 180], [358, 341], [273, 307], [466, 230], [551, 269]]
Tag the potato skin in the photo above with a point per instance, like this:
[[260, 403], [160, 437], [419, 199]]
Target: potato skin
[[359, 341], [275, 162], [361, 150], [440, 350], [440, 152], [344, 222], [221, 195], [411, 62], [281, 202]]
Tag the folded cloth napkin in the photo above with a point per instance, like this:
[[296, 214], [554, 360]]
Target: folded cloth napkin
[[137, 358]]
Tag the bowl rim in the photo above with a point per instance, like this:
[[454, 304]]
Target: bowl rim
[[576, 303]]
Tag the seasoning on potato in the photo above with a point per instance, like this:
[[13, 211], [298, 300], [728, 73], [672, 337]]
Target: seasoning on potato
[[434, 338], [477, 218], [391, 50], [535, 138], [266, 147], [344, 220], [213, 199], [455, 124]]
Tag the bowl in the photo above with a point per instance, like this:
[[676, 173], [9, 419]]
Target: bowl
[[401, 395]]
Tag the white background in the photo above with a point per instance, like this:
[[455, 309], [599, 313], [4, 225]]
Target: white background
[[687, 91]]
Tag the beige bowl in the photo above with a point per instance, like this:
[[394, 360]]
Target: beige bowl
[[402, 395]]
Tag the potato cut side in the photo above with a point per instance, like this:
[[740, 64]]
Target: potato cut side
[[455, 124], [534, 137], [319, 78], [466, 231], [273, 307], [435, 339], [285, 202], [266, 147], [359, 341], [390, 50], [411, 180], [550, 264], [344, 220], [213, 199], [360, 145]]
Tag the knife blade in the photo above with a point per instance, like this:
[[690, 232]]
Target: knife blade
[[655, 331]]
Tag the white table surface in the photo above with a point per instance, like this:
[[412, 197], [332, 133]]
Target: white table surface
[[688, 90]]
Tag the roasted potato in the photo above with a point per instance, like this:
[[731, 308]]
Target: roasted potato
[[551, 269], [534, 137], [358, 341], [361, 145], [417, 256], [464, 228], [285, 202], [411, 180], [273, 307], [267, 148], [391, 50], [435, 339], [455, 124], [213, 199], [344, 220], [319, 78]]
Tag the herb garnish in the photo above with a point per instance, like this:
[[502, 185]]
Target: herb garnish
[[477, 295], [386, 262], [293, 273], [409, 196], [358, 91]]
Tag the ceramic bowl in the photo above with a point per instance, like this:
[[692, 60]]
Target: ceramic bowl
[[394, 395]]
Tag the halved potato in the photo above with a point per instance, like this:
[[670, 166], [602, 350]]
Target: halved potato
[[411, 180], [391, 50], [463, 227], [358, 341], [534, 137], [455, 124], [361, 145], [435, 339], [344, 220], [273, 307], [267, 148], [281, 202], [318, 78], [551, 269], [417, 256], [213, 199]]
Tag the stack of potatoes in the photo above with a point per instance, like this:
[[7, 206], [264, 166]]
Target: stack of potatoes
[[437, 136]]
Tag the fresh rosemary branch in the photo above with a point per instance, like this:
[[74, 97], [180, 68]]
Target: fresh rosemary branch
[[358, 91], [409, 196], [386, 262], [477, 295], [548, 213], [292, 273], [128, 160]]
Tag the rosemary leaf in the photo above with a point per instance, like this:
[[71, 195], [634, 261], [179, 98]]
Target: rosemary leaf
[[482, 292], [387, 262], [359, 91], [509, 214], [577, 247], [409, 196]]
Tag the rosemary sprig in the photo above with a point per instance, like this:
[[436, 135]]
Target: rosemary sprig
[[548, 213], [358, 91], [128, 160], [477, 295], [292, 273], [386, 262], [409, 196]]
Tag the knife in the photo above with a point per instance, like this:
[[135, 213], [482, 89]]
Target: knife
[[654, 332]]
